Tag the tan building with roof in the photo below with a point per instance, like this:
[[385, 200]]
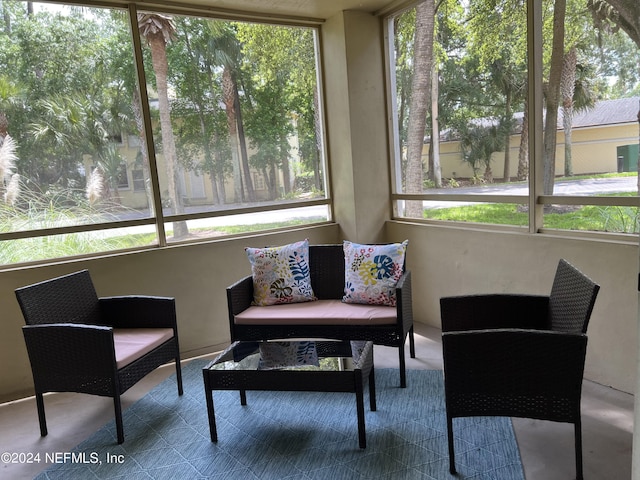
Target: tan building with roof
[[600, 136]]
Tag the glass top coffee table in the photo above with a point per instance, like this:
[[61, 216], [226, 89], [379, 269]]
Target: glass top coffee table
[[237, 368]]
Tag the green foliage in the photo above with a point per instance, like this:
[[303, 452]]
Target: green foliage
[[278, 61], [59, 208], [479, 142], [62, 92], [620, 219], [586, 218], [452, 183], [494, 213], [239, 229]]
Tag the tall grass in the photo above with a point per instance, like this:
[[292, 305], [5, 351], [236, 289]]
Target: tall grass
[[54, 209]]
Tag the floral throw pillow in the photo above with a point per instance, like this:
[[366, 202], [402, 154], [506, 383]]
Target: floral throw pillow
[[281, 274], [372, 272], [274, 355]]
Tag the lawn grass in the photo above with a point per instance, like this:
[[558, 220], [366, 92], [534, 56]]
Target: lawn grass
[[496, 213], [587, 218]]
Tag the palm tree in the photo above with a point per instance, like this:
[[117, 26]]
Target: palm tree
[[577, 94], [523, 151], [110, 164], [419, 103], [478, 143], [508, 79], [227, 50], [158, 30], [144, 156], [567, 89], [552, 96]]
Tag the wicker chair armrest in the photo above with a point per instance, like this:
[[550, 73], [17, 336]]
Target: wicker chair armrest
[[514, 361], [138, 311], [404, 302], [240, 296], [478, 312], [70, 347]]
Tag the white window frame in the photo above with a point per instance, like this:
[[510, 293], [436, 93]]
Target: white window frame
[[156, 218], [536, 200]]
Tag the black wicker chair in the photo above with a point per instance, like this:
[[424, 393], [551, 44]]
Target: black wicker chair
[[518, 355], [76, 340]]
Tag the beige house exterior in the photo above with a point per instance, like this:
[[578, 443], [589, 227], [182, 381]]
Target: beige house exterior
[[599, 136], [196, 187]]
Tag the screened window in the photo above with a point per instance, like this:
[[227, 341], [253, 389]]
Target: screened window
[[138, 180], [463, 127], [206, 106], [234, 103]]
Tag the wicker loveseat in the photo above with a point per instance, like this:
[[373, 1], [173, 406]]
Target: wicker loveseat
[[328, 317]]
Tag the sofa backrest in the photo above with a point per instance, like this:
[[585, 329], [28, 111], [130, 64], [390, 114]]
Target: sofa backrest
[[571, 301], [70, 298], [326, 263]]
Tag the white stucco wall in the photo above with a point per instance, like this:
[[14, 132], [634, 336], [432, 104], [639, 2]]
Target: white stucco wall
[[456, 261]]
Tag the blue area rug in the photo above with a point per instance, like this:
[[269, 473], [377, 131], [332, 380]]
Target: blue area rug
[[295, 435]]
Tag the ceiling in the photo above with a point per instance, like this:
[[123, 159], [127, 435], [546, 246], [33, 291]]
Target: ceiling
[[314, 9]]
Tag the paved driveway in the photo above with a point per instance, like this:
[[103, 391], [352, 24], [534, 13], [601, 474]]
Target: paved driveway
[[591, 186]]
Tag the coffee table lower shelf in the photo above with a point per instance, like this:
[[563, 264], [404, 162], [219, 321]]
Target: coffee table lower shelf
[[298, 379]]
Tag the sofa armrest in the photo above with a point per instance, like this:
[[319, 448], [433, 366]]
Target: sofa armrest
[[478, 312], [239, 298], [240, 295], [503, 363], [404, 302], [76, 351], [138, 311]]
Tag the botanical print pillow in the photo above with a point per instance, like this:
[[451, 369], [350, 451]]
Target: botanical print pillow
[[281, 274], [357, 347], [372, 272], [287, 354]]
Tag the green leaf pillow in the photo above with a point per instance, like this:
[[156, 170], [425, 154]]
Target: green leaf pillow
[[275, 355], [281, 274], [372, 272]]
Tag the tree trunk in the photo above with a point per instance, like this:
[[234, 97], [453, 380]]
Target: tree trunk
[[228, 94], [419, 104], [488, 173], [222, 192], [523, 152], [146, 175], [218, 195], [286, 167], [553, 94], [506, 175], [567, 89], [624, 13], [273, 181], [246, 170], [318, 150], [435, 129], [160, 67]]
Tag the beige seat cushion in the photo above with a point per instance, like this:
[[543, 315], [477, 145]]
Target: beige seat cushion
[[319, 312], [132, 343]]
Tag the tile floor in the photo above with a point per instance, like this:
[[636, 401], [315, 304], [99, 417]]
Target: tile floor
[[546, 448]]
